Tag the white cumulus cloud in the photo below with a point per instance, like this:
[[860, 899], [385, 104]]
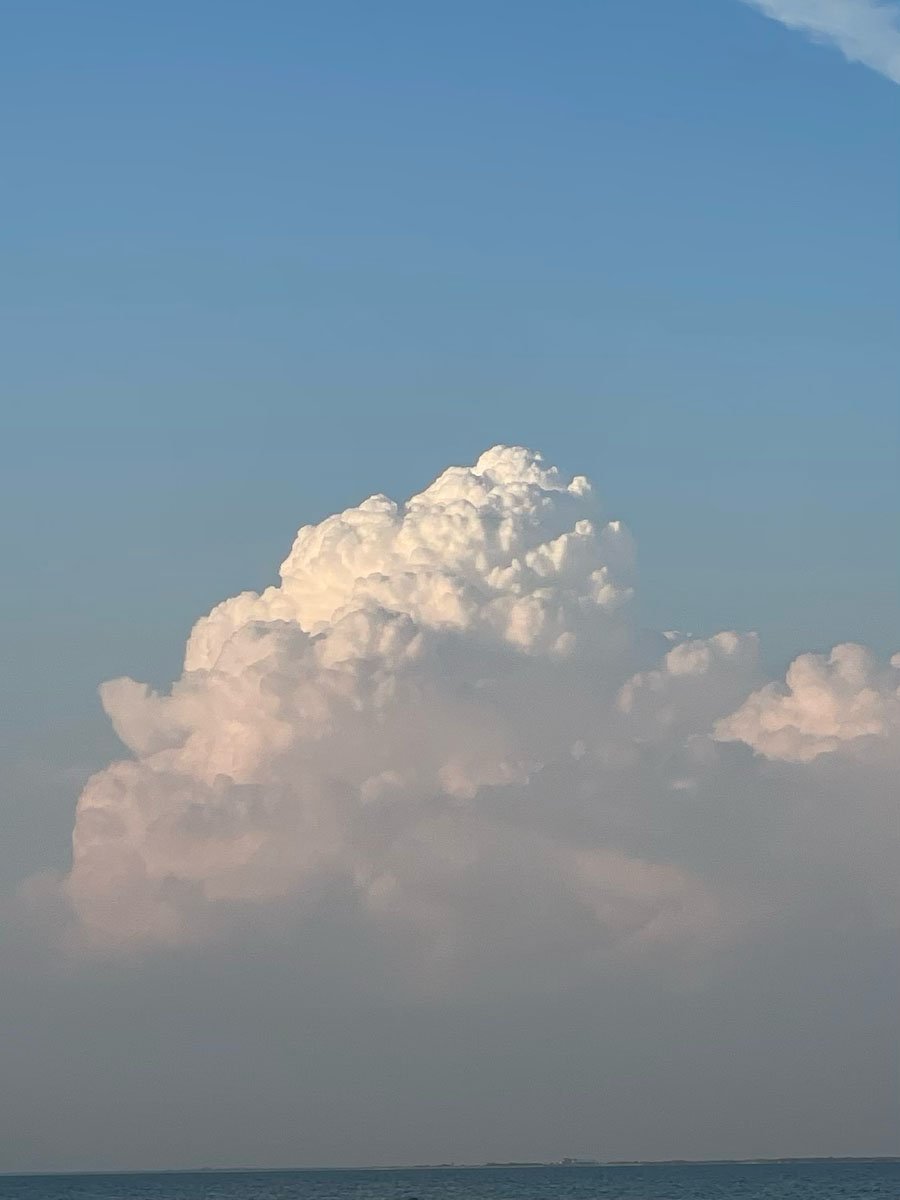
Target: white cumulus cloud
[[443, 722], [828, 703], [865, 31]]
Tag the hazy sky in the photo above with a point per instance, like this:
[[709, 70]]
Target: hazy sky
[[440, 850]]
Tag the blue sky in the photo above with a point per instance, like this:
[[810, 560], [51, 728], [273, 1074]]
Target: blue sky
[[264, 260]]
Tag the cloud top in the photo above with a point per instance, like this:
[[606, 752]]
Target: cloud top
[[504, 549]]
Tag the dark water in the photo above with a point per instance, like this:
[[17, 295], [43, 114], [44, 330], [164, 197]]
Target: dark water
[[877, 1180]]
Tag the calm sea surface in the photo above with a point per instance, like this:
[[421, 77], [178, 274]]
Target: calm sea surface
[[711, 1181]]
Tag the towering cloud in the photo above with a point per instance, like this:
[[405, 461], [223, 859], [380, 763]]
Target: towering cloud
[[443, 723]]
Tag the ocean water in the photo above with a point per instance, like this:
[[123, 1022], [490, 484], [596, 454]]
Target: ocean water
[[814, 1180]]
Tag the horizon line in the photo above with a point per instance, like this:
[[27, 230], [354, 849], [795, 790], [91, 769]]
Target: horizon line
[[471, 1166]]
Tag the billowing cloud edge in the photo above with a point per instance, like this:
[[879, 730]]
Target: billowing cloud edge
[[444, 716]]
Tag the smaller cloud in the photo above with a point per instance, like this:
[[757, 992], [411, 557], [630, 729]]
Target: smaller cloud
[[865, 31], [697, 680], [829, 703]]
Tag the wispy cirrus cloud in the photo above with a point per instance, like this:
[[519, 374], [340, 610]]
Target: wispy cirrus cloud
[[865, 31]]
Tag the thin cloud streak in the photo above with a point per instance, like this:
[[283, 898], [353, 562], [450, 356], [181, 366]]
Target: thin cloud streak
[[865, 31]]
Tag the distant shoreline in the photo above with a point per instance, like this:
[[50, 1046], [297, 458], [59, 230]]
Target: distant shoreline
[[571, 1164]]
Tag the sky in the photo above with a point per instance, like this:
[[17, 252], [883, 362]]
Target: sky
[[517, 882]]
